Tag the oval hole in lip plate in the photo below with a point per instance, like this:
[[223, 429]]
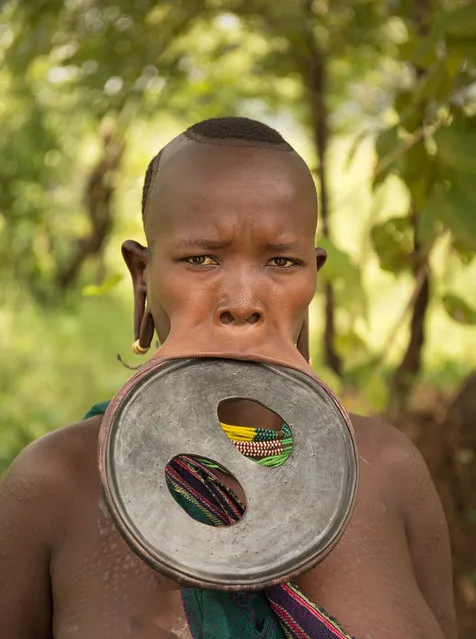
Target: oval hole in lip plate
[[272, 444], [224, 514]]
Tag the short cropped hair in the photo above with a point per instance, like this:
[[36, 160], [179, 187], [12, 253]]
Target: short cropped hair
[[218, 130]]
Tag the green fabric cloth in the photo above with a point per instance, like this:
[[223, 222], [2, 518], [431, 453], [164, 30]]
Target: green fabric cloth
[[225, 615], [97, 409]]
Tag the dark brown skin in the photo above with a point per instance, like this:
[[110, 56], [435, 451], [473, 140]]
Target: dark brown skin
[[64, 569]]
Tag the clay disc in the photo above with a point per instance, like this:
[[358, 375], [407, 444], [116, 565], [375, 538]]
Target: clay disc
[[295, 513]]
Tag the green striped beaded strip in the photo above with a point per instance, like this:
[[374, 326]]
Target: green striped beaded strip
[[284, 437]]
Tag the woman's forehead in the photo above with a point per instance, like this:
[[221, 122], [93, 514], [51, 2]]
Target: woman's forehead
[[204, 178], [219, 160]]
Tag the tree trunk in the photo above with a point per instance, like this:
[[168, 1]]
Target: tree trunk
[[410, 366], [98, 199], [404, 376], [316, 83]]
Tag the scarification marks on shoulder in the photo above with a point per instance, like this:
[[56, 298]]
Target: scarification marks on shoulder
[[104, 522]]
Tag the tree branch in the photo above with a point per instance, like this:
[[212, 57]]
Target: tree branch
[[314, 71], [98, 200]]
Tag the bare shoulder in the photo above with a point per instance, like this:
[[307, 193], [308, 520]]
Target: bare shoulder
[[392, 462], [372, 432], [36, 495], [391, 455], [41, 478], [60, 451]]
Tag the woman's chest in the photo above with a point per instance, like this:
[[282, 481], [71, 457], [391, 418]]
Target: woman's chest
[[367, 582], [101, 589]]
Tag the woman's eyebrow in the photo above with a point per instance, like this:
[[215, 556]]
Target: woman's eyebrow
[[210, 244], [281, 247], [202, 243]]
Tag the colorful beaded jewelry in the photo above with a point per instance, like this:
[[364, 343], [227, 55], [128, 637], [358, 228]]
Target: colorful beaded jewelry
[[264, 445]]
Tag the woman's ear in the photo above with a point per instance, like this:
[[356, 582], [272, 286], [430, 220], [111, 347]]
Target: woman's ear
[[321, 257], [136, 257], [303, 339]]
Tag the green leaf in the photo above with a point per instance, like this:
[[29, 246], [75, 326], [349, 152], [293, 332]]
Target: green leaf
[[418, 170], [374, 386], [360, 374], [458, 209], [460, 50], [345, 276], [435, 85], [385, 147], [356, 144], [352, 348], [423, 53], [393, 243], [377, 393], [405, 105], [460, 22], [465, 254], [339, 266], [107, 286], [456, 146], [428, 223], [459, 310]]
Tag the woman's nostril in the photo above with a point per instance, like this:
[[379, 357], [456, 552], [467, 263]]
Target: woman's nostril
[[226, 317], [239, 318]]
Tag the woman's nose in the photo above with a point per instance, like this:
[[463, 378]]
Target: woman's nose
[[238, 315], [241, 302]]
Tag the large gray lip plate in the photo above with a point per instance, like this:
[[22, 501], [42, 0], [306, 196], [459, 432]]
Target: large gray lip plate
[[294, 512]]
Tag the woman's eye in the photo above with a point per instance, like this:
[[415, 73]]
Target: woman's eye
[[282, 262], [201, 260]]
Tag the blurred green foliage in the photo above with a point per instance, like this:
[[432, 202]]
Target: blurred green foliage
[[83, 82]]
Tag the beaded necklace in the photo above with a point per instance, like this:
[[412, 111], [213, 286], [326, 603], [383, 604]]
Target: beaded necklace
[[266, 446]]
